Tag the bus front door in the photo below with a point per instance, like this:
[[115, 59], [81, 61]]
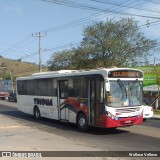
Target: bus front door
[[96, 101], [62, 98]]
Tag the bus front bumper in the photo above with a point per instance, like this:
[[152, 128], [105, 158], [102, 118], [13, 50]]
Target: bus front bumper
[[108, 122]]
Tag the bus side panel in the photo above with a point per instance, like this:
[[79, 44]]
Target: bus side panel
[[53, 113], [23, 104], [47, 106], [72, 116], [74, 105], [63, 110]]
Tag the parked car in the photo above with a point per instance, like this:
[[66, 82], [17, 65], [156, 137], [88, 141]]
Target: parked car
[[4, 94], [12, 97], [147, 112]]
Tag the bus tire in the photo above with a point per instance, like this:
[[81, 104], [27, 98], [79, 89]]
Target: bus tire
[[82, 122], [37, 113], [144, 119]]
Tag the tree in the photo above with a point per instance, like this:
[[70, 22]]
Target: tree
[[113, 43], [61, 60], [118, 43]]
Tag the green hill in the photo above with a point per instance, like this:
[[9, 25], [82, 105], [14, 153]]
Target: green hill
[[17, 68]]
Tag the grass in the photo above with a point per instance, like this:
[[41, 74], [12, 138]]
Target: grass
[[18, 68], [157, 112]]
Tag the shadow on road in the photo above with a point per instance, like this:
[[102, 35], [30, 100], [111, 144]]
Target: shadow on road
[[51, 125]]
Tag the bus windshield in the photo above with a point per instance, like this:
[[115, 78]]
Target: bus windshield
[[124, 93]]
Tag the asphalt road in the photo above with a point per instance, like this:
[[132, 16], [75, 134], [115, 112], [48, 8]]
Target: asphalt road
[[145, 137]]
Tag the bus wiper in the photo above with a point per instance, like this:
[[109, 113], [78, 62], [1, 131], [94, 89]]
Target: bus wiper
[[132, 86], [123, 88]]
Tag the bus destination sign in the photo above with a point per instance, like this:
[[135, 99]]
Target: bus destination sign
[[125, 74]]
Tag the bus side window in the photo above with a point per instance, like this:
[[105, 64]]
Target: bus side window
[[71, 92], [55, 92], [71, 88], [63, 89]]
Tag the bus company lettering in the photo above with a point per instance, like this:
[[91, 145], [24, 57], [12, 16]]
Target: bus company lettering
[[42, 101]]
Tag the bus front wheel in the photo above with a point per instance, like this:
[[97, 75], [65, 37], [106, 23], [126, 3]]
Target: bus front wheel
[[37, 113], [82, 122]]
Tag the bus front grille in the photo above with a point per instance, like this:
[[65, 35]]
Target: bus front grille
[[127, 122]]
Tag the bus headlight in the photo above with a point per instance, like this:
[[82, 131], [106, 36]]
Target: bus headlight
[[139, 115], [110, 115]]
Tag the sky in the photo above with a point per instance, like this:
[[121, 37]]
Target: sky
[[61, 26]]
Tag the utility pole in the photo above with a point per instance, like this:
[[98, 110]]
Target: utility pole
[[39, 35], [157, 83]]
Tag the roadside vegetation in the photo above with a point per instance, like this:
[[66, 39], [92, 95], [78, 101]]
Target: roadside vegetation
[[111, 43], [157, 112], [17, 68]]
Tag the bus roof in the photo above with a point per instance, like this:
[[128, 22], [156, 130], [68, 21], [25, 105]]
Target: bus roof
[[63, 73]]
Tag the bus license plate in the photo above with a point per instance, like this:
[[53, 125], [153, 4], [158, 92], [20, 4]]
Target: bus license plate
[[127, 121]]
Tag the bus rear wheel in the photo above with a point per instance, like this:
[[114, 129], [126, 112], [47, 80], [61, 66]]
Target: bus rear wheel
[[82, 122], [37, 113]]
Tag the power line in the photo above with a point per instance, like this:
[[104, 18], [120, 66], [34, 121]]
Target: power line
[[28, 55], [81, 21], [94, 8], [65, 26], [125, 6], [72, 44], [78, 22], [16, 45], [152, 1], [21, 46], [75, 23], [61, 47]]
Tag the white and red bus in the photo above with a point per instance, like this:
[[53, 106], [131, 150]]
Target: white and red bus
[[105, 97]]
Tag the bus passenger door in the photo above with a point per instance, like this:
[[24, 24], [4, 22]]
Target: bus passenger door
[[96, 101], [62, 99]]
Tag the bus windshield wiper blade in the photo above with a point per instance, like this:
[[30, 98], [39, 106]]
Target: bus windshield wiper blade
[[132, 85], [122, 87]]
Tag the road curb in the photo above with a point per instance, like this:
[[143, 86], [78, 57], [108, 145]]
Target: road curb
[[156, 118]]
